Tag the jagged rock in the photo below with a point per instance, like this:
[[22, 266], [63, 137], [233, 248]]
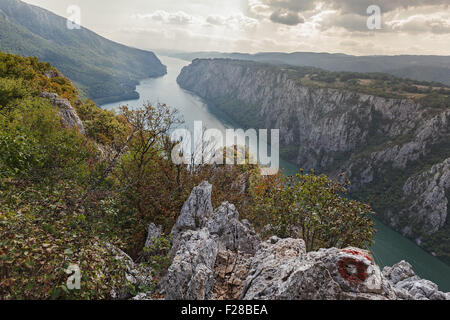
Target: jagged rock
[[191, 275], [69, 117], [154, 233], [232, 233], [196, 210], [409, 286], [282, 270], [198, 236], [135, 276]]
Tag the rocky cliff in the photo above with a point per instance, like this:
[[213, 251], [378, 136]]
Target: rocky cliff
[[217, 256], [395, 151]]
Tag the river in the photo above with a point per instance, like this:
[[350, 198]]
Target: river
[[389, 248]]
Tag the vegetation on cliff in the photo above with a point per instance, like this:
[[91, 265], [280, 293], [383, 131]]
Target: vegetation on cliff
[[430, 94]]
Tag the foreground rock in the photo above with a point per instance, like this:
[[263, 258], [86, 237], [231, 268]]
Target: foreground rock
[[409, 286], [281, 269], [198, 237], [216, 256]]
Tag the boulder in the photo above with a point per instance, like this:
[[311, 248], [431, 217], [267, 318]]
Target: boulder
[[191, 275], [53, 74], [409, 286], [282, 270], [231, 233]]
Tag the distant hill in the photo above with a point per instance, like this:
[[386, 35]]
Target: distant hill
[[103, 70], [422, 68]]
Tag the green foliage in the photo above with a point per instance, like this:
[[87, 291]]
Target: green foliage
[[101, 125], [11, 91], [157, 256], [40, 235], [45, 169], [437, 100], [33, 145], [313, 208]]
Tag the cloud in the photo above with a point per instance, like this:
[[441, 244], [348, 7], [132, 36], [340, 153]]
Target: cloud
[[237, 21], [352, 15], [421, 24], [177, 18], [286, 17], [344, 6], [360, 6], [291, 5], [349, 22]]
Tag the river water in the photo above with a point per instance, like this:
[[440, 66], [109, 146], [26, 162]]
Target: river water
[[389, 248]]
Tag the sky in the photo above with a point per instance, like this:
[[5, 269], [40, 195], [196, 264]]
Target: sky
[[335, 26]]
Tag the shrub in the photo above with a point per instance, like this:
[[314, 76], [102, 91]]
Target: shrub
[[310, 207]]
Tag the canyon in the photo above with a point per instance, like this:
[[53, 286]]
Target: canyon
[[395, 151]]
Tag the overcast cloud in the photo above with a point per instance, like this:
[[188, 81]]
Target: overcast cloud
[[408, 26]]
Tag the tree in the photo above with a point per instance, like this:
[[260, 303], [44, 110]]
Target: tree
[[311, 207]]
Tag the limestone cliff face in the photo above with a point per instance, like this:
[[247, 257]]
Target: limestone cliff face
[[386, 146]]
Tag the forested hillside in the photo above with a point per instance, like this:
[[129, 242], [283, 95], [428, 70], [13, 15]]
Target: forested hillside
[[102, 69]]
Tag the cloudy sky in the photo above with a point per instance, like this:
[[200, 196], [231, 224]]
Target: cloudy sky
[[407, 26]]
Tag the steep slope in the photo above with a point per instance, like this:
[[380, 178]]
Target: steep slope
[[394, 150], [423, 68], [102, 69]]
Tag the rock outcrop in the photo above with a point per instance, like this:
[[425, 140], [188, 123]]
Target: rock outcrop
[[385, 146], [407, 285], [282, 269], [198, 236], [220, 257], [69, 116]]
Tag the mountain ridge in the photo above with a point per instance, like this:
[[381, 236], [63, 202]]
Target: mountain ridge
[[102, 69], [432, 67]]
